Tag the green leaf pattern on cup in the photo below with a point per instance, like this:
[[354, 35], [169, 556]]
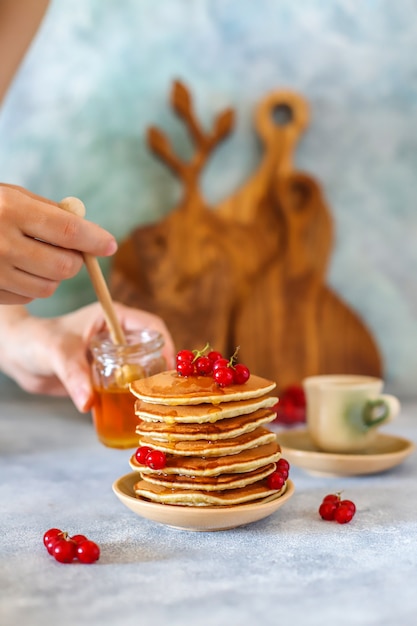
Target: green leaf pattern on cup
[[375, 412]]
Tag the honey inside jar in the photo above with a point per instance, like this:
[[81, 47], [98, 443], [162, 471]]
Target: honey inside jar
[[113, 367], [114, 417]]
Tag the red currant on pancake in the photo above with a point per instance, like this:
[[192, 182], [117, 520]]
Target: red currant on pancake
[[275, 480], [88, 551], [220, 363], [64, 550], [184, 355], [284, 467], [156, 459], [204, 365], [141, 454], [241, 374], [223, 376], [186, 368], [214, 355]]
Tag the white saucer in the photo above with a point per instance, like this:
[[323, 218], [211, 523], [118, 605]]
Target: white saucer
[[386, 452], [204, 518]]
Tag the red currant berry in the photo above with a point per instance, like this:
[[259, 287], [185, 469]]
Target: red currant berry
[[343, 514], [220, 363], [275, 480], [64, 551], [204, 365], [184, 355], [332, 497], [88, 551], [52, 534], [156, 459], [214, 355], [141, 454], [78, 538], [349, 504], [223, 376], [241, 374], [51, 544], [282, 464], [327, 510], [186, 368]]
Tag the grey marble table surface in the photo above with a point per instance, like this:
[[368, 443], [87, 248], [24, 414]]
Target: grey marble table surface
[[290, 568]]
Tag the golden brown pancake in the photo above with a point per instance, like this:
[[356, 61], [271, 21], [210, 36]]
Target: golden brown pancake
[[245, 461], [201, 413], [172, 389], [188, 497], [211, 483], [221, 429], [219, 447]]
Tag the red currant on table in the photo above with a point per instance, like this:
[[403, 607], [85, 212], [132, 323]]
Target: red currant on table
[[327, 510], [291, 407], [88, 551], [66, 549], [333, 508], [78, 538], [343, 514], [52, 535]]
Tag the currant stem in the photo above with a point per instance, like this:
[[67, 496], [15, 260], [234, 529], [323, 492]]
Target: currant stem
[[233, 358], [198, 353]]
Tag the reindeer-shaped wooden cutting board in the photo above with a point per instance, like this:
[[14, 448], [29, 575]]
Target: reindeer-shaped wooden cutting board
[[251, 271]]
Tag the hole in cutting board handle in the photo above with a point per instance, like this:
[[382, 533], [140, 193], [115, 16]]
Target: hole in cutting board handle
[[282, 114]]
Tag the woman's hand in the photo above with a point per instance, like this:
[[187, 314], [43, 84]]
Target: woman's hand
[[41, 245], [49, 356]]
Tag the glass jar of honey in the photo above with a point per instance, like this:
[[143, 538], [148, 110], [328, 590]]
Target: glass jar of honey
[[113, 367]]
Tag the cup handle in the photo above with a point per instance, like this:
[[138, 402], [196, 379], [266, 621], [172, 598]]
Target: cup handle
[[381, 409]]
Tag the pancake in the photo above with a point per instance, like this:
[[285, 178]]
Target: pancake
[[188, 497], [213, 483], [221, 429], [220, 447], [245, 461], [170, 388], [201, 413]]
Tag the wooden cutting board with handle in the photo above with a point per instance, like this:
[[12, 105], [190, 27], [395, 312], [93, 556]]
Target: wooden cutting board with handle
[[251, 271]]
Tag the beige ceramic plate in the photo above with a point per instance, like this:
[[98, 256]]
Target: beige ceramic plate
[[197, 518], [387, 452]]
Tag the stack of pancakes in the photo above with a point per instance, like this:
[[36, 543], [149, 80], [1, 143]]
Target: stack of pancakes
[[218, 451]]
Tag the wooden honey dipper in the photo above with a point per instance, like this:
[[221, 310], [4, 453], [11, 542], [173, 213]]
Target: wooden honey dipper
[[126, 372]]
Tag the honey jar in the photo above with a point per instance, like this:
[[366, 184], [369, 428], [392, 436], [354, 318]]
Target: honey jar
[[113, 367]]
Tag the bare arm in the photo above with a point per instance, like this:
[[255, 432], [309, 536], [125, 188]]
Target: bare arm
[[19, 21], [49, 356]]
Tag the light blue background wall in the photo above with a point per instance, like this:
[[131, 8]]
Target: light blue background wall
[[100, 72]]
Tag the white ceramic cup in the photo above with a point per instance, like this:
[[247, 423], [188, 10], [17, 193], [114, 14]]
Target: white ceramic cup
[[344, 411]]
